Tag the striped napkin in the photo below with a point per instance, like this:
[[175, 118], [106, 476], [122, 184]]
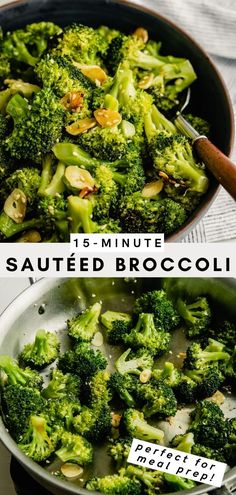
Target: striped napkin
[[214, 26]]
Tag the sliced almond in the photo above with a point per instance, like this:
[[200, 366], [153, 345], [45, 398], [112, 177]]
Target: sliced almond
[[71, 470], [73, 100], [81, 126], [107, 117], [141, 33], [30, 236], [93, 72], [145, 376], [146, 81], [115, 419], [77, 178], [15, 206], [97, 339], [151, 189]]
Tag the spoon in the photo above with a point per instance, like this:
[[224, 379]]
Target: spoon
[[223, 169]]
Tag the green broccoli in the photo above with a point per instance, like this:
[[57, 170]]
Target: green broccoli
[[119, 450], [18, 404], [186, 390], [82, 361], [43, 351], [124, 387], [27, 180], [108, 144], [135, 425], [152, 481], [117, 325], [9, 228], [140, 361], [13, 374], [196, 315], [148, 336], [209, 425], [168, 374], [81, 217], [157, 398], [225, 333], [158, 303], [74, 448], [61, 413], [114, 485], [62, 386], [83, 327], [198, 358], [208, 380], [177, 483], [199, 124], [39, 441]]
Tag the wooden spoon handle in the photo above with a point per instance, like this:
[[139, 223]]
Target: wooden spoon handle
[[221, 167]]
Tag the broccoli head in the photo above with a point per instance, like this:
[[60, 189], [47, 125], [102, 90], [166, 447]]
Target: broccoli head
[[148, 336], [13, 374], [196, 315], [115, 485], [199, 124], [168, 374], [117, 325], [82, 361], [119, 449], [138, 362], [75, 448], [108, 144], [135, 425], [209, 425], [39, 441], [198, 358], [177, 483], [43, 351], [207, 380], [225, 333], [28, 181], [83, 327], [18, 404], [152, 481], [157, 398], [158, 303], [124, 387], [62, 386]]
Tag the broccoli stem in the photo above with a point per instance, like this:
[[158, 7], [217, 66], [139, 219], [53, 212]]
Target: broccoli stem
[[147, 432], [9, 228], [17, 107], [15, 374], [155, 121], [80, 211], [72, 154], [145, 324], [51, 185]]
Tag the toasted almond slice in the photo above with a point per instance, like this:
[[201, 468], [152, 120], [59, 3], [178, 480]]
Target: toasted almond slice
[[93, 72], [15, 206], [73, 100], [77, 178], [142, 33], [115, 419], [30, 236], [146, 81], [81, 126], [151, 189], [71, 470], [145, 376], [107, 117], [97, 339]]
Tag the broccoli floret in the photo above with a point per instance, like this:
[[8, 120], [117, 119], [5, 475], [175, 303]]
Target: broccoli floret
[[75, 448], [52, 210], [225, 333], [208, 380], [82, 361], [209, 425], [117, 325], [18, 403], [51, 183], [81, 217], [28, 181], [39, 441], [168, 374], [27, 45], [94, 422], [142, 360], [172, 155], [199, 124], [152, 481], [37, 126], [198, 358], [81, 44], [62, 386], [158, 303], [115, 485], [61, 413], [83, 327], [186, 390], [124, 387], [209, 453], [119, 450], [176, 483], [43, 351], [196, 315], [183, 442], [72, 154], [107, 144], [157, 398], [148, 336], [13, 374], [104, 199], [5, 66], [136, 426], [229, 450]]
